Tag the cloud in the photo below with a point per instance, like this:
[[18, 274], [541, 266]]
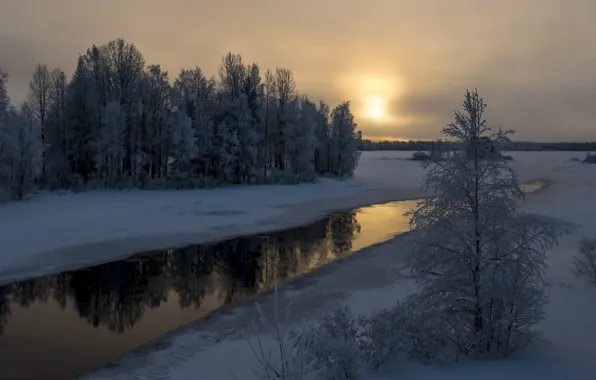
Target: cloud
[[17, 57], [533, 60]]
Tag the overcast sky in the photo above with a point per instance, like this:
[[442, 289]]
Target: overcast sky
[[404, 64]]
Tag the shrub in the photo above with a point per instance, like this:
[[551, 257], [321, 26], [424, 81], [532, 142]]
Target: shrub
[[333, 346], [288, 362], [339, 346], [420, 156], [590, 158], [585, 263], [404, 332]]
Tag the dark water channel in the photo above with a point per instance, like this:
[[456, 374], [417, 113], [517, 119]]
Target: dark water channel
[[58, 326]]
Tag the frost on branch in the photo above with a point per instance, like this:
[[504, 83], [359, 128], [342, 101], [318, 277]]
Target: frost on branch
[[21, 153], [333, 346], [584, 264], [478, 260], [287, 359], [402, 332], [185, 149]]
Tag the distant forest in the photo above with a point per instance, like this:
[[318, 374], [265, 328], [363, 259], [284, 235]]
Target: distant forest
[[118, 122], [420, 145]]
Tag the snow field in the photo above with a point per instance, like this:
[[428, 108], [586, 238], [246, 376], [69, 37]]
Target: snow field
[[372, 280]]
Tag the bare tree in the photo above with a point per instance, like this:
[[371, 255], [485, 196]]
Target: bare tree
[[323, 133], [285, 90], [6, 145], [109, 145], [39, 95], [194, 94], [4, 100], [232, 74], [269, 91]]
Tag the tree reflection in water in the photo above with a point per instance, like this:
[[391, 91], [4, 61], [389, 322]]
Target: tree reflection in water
[[117, 295]]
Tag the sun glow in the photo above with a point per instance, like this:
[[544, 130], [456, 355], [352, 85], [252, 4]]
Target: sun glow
[[378, 93], [375, 108]]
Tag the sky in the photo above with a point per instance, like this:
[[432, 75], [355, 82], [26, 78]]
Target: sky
[[404, 64]]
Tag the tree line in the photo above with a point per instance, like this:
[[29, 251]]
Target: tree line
[[121, 123], [423, 145]]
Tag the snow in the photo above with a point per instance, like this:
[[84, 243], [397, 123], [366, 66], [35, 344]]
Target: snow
[[373, 279], [61, 231]]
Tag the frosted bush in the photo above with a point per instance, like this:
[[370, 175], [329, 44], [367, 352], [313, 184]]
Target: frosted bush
[[420, 156], [333, 346], [585, 263], [286, 360], [590, 158], [402, 332]]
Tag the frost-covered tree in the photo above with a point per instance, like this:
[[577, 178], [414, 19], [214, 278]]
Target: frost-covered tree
[[225, 150], [110, 147], [184, 148], [285, 91], [152, 106], [240, 118], [5, 141], [248, 128], [301, 141], [26, 155], [268, 108], [194, 94], [57, 168], [323, 135], [82, 111], [253, 91], [239, 86], [113, 73], [232, 76], [343, 155], [39, 95], [4, 99], [289, 127], [479, 261]]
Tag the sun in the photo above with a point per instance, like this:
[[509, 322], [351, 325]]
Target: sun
[[375, 108]]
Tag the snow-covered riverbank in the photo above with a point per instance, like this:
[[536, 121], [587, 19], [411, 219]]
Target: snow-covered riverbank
[[57, 232]]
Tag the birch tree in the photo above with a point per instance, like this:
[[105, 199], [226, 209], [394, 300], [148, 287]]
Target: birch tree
[[27, 152], [239, 116], [4, 99], [110, 147], [5, 144], [184, 150], [194, 94], [39, 95], [285, 91], [323, 135], [478, 260], [306, 141], [82, 117], [56, 131], [268, 123]]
